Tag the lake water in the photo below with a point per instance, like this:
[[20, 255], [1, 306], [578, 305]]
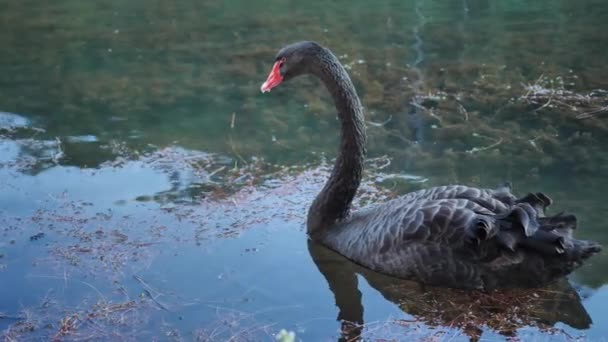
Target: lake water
[[149, 191]]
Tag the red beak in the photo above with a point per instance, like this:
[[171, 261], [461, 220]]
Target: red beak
[[274, 79]]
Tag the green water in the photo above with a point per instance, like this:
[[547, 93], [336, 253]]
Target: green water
[[171, 194]]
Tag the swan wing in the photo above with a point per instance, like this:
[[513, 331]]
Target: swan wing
[[463, 237]]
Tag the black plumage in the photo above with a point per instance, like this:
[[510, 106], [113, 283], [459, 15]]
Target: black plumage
[[455, 235]]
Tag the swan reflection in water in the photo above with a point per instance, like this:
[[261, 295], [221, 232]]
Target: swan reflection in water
[[503, 311]]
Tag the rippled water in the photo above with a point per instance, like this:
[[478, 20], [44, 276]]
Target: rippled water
[[148, 190]]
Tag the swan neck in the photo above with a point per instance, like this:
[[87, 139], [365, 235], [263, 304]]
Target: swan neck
[[332, 204]]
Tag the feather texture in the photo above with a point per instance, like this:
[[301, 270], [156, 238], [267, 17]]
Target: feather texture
[[463, 237]]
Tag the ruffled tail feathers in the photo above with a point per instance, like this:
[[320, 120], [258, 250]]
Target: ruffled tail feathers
[[583, 249], [538, 201], [526, 226]]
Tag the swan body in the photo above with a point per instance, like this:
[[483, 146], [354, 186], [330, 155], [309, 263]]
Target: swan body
[[462, 237], [454, 236]]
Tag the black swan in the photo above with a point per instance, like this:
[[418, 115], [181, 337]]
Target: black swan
[[454, 236]]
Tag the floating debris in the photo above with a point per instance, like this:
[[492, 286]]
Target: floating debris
[[36, 236]]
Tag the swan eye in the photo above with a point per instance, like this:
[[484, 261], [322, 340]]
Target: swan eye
[[281, 62]]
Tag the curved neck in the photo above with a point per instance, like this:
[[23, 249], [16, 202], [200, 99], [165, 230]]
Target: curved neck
[[333, 202]]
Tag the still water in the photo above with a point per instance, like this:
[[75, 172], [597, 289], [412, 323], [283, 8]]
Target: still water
[[150, 192]]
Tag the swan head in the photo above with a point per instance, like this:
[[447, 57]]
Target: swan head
[[291, 61]]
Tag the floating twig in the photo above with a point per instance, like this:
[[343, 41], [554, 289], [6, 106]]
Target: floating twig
[[233, 148], [546, 104], [479, 149], [59, 153], [12, 317], [380, 124], [463, 111], [160, 305], [592, 113]]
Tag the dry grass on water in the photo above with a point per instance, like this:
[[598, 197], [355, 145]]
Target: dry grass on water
[[83, 242]]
